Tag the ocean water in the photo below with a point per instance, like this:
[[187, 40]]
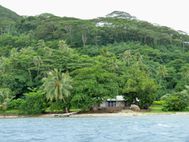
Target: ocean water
[[155, 128]]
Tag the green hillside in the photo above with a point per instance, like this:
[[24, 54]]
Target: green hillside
[[7, 19], [100, 31], [58, 63], [8, 14]]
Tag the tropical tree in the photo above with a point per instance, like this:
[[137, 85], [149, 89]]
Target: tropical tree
[[162, 73], [5, 96], [138, 84], [93, 85], [58, 86]]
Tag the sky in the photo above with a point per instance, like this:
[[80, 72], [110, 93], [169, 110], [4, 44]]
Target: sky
[[171, 13]]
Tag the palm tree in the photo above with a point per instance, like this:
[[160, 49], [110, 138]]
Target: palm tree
[[127, 57], [57, 86], [37, 62], [162, 73]]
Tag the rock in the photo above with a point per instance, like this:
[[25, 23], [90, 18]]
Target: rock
[[134, 107], [95, 108]]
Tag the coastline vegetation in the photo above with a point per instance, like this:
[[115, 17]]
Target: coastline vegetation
[[52, 64]]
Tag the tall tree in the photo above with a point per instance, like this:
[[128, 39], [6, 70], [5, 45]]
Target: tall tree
[[138, 84], [58, 86]]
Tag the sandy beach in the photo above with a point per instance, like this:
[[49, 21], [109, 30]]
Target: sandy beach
[[78, 115], [75, 115]]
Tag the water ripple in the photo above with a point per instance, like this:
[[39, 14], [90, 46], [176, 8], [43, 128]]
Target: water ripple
[[163, 128]]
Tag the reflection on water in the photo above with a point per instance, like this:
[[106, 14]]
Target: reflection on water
[[160, 128]]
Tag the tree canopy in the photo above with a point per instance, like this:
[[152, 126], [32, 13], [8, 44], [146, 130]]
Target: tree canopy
[[104, 57]]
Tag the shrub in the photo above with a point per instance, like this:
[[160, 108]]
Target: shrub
[[176, 102], [34, 103], [56, 106], [15, 104]]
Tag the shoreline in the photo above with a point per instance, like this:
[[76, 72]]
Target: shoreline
[[82, 115], [126, 114]]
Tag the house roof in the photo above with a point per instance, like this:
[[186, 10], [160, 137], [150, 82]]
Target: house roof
[[117, 98]]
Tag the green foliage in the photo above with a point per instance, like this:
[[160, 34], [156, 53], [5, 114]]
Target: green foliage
[[94, 85], [111, 56], [6, 13], [5, 93], [34, 103], [56, 106], [8, 20], [138, 84], [5, 96], [15, 104], [58, 86], [177, 101], [17, 71]]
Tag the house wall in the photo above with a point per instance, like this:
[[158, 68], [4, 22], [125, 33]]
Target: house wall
[[120, 104], [103, 105]]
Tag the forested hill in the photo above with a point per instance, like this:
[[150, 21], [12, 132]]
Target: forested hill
[[114, 28], [8, 14], [7, 18], [113, 55]]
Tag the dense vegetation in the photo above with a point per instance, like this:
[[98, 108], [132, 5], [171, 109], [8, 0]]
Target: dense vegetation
[[50, 63]]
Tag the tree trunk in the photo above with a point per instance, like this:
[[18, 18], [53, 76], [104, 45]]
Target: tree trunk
[[66, 110], [84, 39]]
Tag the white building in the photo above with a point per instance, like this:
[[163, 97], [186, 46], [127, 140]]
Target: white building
[[117, 102]]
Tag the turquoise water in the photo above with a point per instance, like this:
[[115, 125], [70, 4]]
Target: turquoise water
[[160, 128]]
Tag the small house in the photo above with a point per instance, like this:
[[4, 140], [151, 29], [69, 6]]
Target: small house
[[117, 102]]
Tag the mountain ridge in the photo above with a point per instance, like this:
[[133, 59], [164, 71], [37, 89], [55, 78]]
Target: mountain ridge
[[117, 26], [11, 16], [8, 14]]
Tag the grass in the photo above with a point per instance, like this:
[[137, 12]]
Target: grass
[[10, 112], [156, 108]]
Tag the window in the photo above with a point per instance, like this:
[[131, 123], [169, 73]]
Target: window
[[111, 103]]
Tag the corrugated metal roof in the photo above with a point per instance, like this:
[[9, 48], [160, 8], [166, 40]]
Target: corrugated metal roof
[[117, 98]]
